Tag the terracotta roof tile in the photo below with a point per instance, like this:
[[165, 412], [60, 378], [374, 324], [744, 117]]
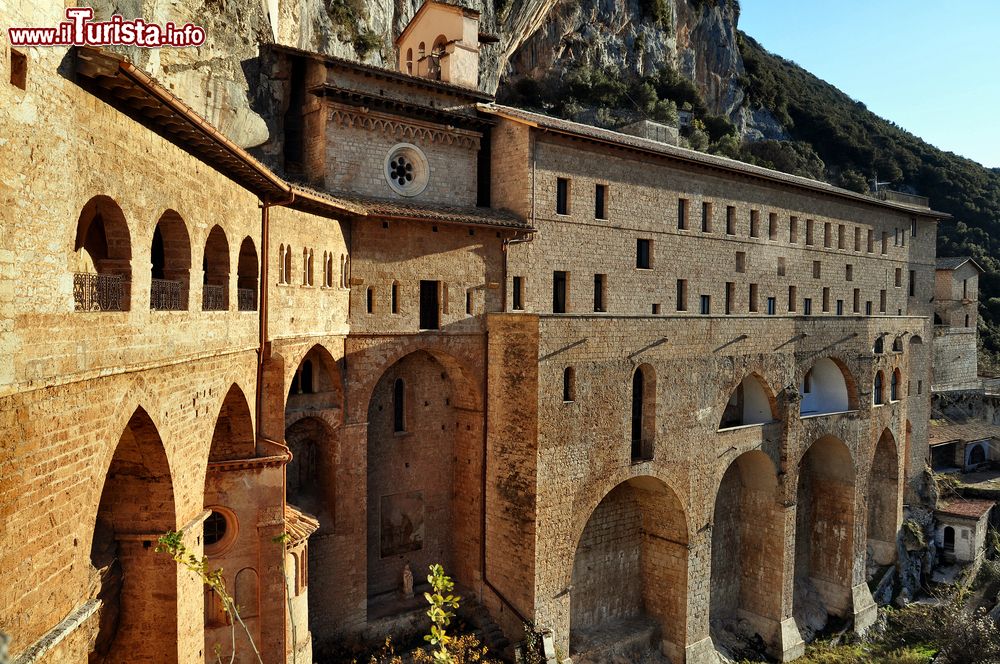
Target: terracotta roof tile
[[940, 432], [298, 526], [970, 509]]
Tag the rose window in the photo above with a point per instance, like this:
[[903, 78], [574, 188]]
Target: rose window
[[406, 169]]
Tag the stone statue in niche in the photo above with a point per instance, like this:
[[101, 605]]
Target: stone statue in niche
[[407, 581]]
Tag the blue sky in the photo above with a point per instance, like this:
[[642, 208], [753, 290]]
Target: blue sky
[[933, 68]]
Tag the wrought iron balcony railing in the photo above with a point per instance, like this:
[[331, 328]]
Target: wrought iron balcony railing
[[213, 298], [246, 299], [165, 295], [97, 292]]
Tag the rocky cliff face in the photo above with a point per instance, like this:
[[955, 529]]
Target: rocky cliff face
[[696, 37]]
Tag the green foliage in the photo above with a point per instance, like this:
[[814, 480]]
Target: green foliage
[[443, 605], [344, 16], [172, 543], [657, 11], [855, 144]]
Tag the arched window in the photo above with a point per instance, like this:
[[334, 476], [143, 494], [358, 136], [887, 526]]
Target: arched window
[[879, 346], [305, 266], [246, 593], [807, 382], [215, 264], [877, 396], [897, 345], [103, 272], [288, 264], [282, 277], [328, 269], [311, 282], [246, 276], [894, 386], [569, 384], [399, 406], [395, 297], [343, 272], [170, 256], [643, 428], [409, 61], [369, 300]]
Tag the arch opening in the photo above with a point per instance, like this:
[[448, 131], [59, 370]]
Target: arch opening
[[629, 573], [750, 403], [824, 535], [138, 587], [102, 263], [827, 387], [246, 276], [215, 268], [884, 507], [747, 549], [422, 477], [171, 264]]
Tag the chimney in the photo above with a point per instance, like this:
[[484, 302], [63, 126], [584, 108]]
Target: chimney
[[441, 42]]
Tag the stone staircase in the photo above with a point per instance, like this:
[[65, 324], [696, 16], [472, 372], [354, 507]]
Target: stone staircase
[[485, 629]]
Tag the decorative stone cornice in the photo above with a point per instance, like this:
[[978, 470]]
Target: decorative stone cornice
[[362, 118]]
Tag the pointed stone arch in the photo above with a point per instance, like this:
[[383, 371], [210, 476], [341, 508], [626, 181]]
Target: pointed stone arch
[[824, 534], [884, 505], [747, 550], [138, 587]]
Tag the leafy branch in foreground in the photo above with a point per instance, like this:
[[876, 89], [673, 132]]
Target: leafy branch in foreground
[[173, 544]]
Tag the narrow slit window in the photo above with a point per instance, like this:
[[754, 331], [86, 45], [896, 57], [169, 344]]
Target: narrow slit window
[[562, 196], [600, 283], [399, 406], [517, 296], [560, 287], [601, 201], [706, 217], [569, 384]]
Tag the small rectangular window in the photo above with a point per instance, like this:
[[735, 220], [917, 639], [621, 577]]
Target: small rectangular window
[[902, 237], [772, 226], [807, 306], [857, 238], [741, 261], [895, 237], [965, 289], [753, 298], [913, 283], [841, 239], [792, 298], [730, 289], [881, 301], [562, 196], [817, 269], [857, 300], [730, 220], [840, 307], [706, 305], [560, 291], [885, 242], [600, 283], [430, 305], [656, 309], [827, 235], [706, 217], [793, 229], [518, 294], [809, 231], [899, 277], [754, 223], [644, 254], [18, 69], [601, 201], [920, 387], [781, 266], [871, 241], [682, 294], [682, 214], [826, 299], [772, 306], [913, 227], [468, 302], [849, 272], [868, 308]]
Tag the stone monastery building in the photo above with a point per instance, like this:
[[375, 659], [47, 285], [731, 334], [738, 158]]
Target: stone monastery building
[[622, 390]]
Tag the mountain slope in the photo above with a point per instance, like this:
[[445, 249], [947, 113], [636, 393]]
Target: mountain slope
[[854, 144]]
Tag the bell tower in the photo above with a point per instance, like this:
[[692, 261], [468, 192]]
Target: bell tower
[[441, 42]]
